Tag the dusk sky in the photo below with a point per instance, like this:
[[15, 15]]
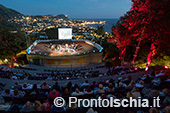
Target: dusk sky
[[72, 8]]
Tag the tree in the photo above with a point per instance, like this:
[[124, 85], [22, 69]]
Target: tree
[[10, 43], [146, 22]]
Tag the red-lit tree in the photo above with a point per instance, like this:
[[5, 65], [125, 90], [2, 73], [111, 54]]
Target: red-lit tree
[[147, 21]]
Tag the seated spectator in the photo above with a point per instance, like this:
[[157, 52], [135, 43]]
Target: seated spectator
[[3, 85], [53, 94], [49, 78], [39, 106], [17, 86], [69, 85], [140, 84], [27, 107], [129, 94], [77, 93], [73, 105], [74, 87], [56, 86], [86, 83], [34, 88], [129, 79], [120, 88], [26, 86], [153, 110], [100, 90], [88, 91], [7, 93], [17, 94], [167, 109], [110, 88], [131, 85], [153, 93], [4, 107], [66, 92], [39, 94], [93, 85], [136, 93], [45, 86], [55, 109], [152, 73], [166, 100], [28, 93], [160, 74]]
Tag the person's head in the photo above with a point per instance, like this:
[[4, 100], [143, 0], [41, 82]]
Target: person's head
[[37, 104], [132, 83], [167, 109], [28, 104], [129, 94], [103, 96], [86, 81], [155, 93], [110, 86], [76, 85], [166, 91], [7, 91], [141, 82], [56, 83], [153, 110], [94, 83], [88, 89], [120, 84], [28, 92], [16, 92], [16, 83], [111, 80], [54, 91], [135, 89], [25, 85], [44, 83], [66, 91], [129, 77], [69, 85], [34, 86], [77, 90], [100, 86], [37, 91]]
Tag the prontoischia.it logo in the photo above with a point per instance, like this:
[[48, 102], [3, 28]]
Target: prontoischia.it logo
[[111, 102]]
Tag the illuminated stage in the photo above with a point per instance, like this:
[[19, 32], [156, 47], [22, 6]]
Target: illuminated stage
[[64, 53]]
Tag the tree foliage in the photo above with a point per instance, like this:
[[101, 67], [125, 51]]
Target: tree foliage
[[152, 17], [10, 43]]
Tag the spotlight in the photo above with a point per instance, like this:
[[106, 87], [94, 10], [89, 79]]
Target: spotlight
[[166, 67]]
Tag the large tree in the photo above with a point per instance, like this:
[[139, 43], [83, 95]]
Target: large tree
[[148, 21], [11, 44]]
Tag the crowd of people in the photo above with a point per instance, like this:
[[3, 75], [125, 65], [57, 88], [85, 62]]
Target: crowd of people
[[53, 75], [39, 97]]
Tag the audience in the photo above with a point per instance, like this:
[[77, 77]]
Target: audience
[[124, 87], [77, 93], [28, 107], [45, 86], [17, 94], [53, 94]]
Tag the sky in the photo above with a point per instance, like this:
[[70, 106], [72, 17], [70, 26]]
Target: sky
[[72, 8]]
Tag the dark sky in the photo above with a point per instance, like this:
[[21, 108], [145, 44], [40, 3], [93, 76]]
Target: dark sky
[[72, 8]]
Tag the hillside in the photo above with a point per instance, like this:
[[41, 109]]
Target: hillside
[[7, 13]]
